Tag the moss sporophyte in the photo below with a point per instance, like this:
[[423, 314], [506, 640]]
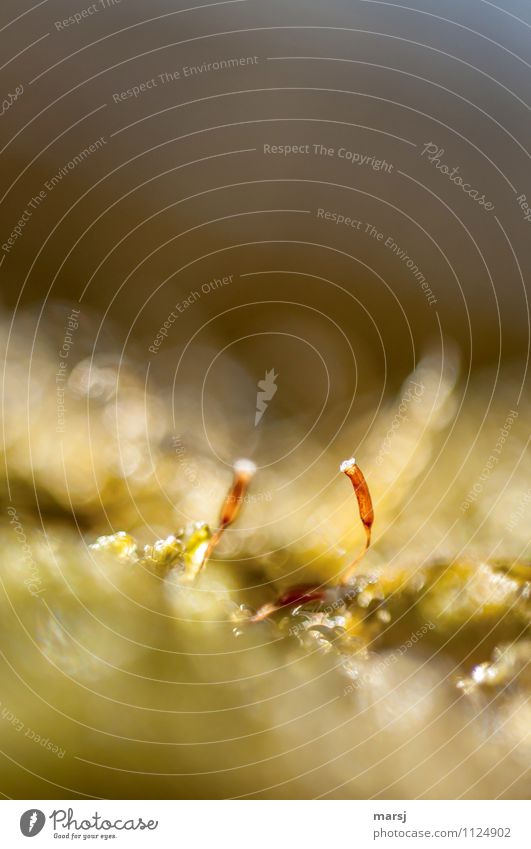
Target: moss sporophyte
[[191, 548], [458, 603]]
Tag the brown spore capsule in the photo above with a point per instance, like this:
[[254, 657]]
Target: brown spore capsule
[[351, 469]]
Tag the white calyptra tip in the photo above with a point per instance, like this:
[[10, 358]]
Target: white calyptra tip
[[245, 467], [347, 464]]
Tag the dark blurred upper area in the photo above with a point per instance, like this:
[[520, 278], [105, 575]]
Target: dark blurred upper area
[[180, 192]]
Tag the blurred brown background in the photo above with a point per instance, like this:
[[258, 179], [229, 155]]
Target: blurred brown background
[[181, 191]]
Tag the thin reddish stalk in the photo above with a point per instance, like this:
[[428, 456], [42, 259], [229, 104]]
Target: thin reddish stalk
[[353, 471], [243, 474]]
